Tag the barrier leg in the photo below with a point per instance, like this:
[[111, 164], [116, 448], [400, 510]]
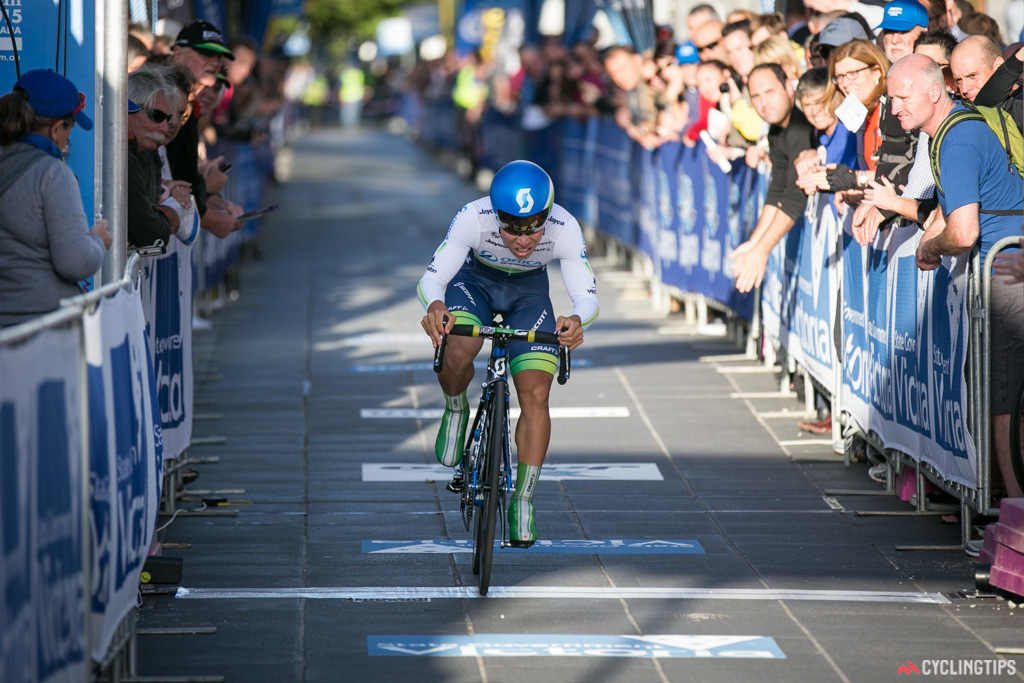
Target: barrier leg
[[809, 393]]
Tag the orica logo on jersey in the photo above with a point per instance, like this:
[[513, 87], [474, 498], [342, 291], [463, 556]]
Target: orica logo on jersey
[[508, 260], [525, 200]]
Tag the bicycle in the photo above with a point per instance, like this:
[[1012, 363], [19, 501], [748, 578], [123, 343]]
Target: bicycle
[[484, 477]]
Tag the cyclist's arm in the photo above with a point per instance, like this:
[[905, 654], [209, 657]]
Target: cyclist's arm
[[463, 235], [576, 273]]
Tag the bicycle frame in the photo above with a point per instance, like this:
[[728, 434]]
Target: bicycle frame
[[495, 388]]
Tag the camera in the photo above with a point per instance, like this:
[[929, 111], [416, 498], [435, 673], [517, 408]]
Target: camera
[[724, 88]]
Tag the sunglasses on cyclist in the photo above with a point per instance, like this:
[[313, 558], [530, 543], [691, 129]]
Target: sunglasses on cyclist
[[522, 225], [519, 231]]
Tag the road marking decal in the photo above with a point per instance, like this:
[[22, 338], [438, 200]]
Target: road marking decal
[[407, 367], [558, 645], [643, 471], [435, 413], [559, 592], [550, 547]]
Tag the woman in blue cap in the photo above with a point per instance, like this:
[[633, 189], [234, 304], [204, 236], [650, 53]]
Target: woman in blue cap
[[46, 245]]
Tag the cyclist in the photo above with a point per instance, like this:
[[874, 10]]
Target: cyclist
[[494, 260]]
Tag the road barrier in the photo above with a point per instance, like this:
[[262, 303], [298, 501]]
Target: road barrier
[[81, 455]]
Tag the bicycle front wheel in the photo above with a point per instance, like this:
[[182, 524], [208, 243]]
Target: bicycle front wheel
[[491, 461]]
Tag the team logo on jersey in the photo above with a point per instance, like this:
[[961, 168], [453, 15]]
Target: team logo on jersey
[[525, 200]]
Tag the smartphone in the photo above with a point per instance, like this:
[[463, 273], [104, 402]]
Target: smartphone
[[257, 213], [224, 167]]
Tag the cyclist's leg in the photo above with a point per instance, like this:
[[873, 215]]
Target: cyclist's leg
[[533, 366], [533, 432], [469, 304]]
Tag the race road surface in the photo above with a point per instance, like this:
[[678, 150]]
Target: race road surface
[[685, 531]]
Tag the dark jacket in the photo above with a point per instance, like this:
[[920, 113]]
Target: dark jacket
[[147, 221]]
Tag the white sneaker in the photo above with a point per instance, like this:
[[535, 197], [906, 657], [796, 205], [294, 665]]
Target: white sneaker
[[877, 473]]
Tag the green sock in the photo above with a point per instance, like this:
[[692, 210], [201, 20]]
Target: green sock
[[452, 434], [526, 480]]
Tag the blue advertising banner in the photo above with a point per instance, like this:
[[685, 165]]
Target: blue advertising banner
[[646, 166], [576, 188], [126, 453], [58, 36], [42, 585], [612, 156], [807, 332], [904, 349], [701, 213], [166, 289], [779, 284]]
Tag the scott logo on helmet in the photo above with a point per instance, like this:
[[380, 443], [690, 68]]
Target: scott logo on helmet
[[525, 200]]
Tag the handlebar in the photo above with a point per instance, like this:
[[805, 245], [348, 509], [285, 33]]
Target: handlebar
[[505, 334]]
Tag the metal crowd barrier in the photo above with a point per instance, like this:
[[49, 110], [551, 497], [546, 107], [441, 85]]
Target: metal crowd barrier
[[71, 313]]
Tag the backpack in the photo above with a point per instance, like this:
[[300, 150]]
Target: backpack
[[1005, 130]]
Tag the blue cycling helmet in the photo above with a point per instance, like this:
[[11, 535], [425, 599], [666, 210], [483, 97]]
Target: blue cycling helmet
[[522, 195]]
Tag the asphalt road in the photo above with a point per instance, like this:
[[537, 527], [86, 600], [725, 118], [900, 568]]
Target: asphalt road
[[686, 533]]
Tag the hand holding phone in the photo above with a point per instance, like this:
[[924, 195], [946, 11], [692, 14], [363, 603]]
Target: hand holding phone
[[257, 213]]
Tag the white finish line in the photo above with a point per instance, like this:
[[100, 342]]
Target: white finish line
[[436, 413], [612, 471], [563, 592]]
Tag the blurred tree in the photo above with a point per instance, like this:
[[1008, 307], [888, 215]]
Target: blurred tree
[[350, 19]]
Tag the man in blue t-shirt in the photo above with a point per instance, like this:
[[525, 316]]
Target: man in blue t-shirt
[[975, 178]]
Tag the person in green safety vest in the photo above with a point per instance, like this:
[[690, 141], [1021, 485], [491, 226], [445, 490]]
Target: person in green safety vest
[[470, 97], [352, 94], [315, 97]]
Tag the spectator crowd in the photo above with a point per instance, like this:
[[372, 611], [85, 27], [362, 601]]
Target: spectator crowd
[[190, 97]]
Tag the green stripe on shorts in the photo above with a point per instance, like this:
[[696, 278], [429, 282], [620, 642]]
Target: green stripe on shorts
[[464, 318], [534, 360]]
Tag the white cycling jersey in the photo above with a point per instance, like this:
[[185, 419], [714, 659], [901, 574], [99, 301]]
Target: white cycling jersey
[[474, 233]]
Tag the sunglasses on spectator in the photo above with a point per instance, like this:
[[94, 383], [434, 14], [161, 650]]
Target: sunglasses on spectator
[[849, 75], [823, 51], [157, 116], [709, 46]]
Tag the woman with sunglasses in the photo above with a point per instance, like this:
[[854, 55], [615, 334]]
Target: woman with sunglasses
[[856, 89], [46, 245], [494, 260]]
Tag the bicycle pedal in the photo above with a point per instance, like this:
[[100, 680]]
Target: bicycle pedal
[[522, 545], [456, 484]]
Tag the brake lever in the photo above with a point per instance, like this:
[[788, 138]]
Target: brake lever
[[439, 351]]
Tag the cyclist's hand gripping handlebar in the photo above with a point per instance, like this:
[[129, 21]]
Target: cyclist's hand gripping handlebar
[[491, 332]]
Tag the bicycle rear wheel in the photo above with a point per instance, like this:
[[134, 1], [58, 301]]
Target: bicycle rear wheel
[[491, 460]]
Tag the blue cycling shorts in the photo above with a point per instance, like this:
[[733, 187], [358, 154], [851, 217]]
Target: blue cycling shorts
[[478, 292]]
